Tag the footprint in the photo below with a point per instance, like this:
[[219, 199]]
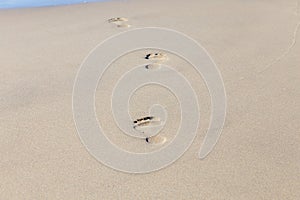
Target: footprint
[[123, 25], [153, 66], [156, 56], [146, 121], [157, 140], [121, 22], [117, 20]]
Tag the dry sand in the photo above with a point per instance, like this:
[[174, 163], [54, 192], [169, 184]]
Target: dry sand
[[256, 47]]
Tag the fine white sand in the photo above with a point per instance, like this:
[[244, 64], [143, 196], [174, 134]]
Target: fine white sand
[[256, 47]]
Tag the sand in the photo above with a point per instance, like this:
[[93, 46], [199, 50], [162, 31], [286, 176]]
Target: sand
[[255, 45]]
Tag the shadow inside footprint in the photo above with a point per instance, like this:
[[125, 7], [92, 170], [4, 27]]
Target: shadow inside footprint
[[153, 66], [117, 20], [157, 140], [121, 22], [148, 122], [156, 56]]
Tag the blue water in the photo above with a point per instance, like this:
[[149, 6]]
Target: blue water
[[39, 3]]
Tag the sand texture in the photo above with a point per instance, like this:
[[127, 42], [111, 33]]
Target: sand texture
[[256, 46]]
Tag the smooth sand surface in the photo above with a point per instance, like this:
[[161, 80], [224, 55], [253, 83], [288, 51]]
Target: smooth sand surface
[[256, 47]]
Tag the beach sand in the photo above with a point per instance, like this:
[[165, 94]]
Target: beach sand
[[255, 45]]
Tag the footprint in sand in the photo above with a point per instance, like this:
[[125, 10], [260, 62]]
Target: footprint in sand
[[157, 139], [149, 122], [156, 58], [153, 66], [121, 22], [146, 121]]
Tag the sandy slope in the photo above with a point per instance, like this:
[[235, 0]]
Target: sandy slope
[[255, 45]]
